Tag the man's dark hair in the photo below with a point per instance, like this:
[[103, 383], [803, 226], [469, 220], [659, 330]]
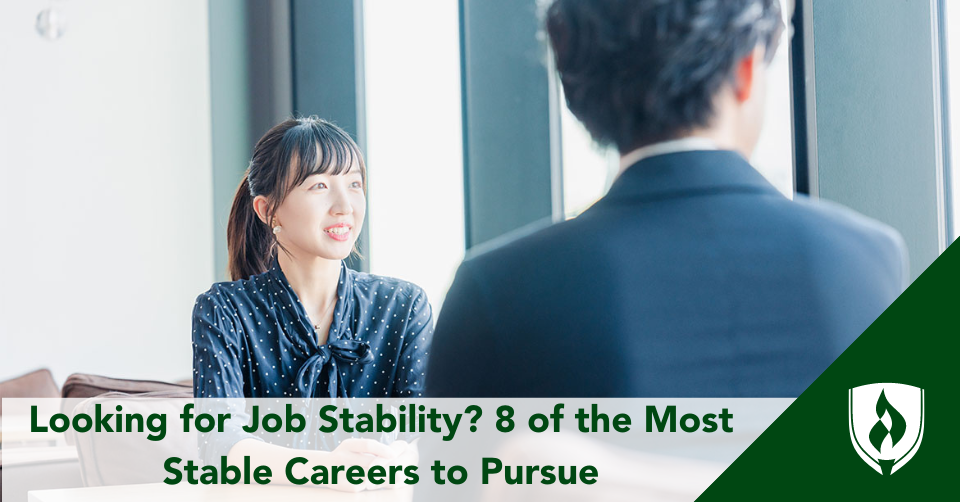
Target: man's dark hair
[[640, 71]]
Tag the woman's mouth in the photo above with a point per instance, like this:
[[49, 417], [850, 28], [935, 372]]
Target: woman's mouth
[[339, 232]]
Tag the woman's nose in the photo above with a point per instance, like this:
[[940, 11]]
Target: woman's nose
[[341, 205]]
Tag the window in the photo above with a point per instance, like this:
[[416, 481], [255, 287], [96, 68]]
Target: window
[[588, 168], [414, 150], [773, 156], [952, 23]]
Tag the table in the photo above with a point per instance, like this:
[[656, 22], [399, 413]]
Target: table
[[235, 493]]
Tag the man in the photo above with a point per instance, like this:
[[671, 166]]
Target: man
[[693, 276]]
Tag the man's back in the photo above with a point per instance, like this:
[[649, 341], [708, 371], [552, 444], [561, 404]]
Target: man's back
[[692, 277]]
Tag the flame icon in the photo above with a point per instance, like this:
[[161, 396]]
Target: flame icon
[[872, 419], [898, 426]]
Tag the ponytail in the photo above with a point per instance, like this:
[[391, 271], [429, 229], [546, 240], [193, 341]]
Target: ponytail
[[250, 244]]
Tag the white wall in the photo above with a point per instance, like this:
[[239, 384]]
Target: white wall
[[105, 181]]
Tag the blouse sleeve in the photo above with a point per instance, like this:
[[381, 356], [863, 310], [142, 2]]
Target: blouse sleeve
[[216, 353], [412, 365], [217, 375]]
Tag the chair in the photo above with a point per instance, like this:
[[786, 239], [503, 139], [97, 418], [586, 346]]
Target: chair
[[37, 384], [82, 385], [29, 468], [129, 457]]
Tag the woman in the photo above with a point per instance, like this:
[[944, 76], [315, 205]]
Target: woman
[[295, 321]]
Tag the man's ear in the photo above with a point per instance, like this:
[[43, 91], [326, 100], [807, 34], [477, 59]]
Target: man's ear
[[260, 206], [745, 72]]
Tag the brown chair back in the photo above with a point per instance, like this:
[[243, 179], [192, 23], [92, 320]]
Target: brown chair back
[[84, 386], [37, 384], [81, 385]]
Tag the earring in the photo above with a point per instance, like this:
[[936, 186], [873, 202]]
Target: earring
[[276, 230]]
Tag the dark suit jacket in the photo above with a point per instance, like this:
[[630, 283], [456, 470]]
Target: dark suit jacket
[[692, 277]]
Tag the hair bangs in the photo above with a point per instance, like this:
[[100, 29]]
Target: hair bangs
[[315, 148]]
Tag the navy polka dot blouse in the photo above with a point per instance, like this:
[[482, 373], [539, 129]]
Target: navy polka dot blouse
[[253, 338]]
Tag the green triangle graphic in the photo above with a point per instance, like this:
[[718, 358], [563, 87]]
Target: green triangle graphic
[[807, 453]]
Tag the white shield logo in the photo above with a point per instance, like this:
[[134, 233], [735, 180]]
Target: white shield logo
[[886, 424]]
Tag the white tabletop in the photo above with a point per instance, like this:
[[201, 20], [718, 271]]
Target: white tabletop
[[236, 493]]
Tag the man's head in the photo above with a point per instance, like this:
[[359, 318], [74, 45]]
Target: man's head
[[636, 72]]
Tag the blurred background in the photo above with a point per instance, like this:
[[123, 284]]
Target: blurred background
[[125, 128]]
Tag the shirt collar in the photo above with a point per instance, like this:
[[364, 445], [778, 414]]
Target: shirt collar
[[343, 310], [687, 144], [687, 172]]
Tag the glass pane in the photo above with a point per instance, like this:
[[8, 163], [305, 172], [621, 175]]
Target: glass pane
[[774, 154], [952, 13], [588, 168], [414, 150]]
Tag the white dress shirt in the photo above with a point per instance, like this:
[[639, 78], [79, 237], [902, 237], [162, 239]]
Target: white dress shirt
[[690, 143]]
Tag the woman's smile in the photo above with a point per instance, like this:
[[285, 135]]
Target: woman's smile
[[340, 231]]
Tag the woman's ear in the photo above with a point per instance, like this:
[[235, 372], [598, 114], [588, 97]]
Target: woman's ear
[[260, 206]]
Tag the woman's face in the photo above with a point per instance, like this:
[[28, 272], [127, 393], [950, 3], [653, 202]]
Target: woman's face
[[323, 216]]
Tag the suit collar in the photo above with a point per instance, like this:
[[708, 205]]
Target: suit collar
[[687, 173]]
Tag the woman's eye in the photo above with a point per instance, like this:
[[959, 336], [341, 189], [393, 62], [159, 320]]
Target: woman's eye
[[320, 185], [356, 184]]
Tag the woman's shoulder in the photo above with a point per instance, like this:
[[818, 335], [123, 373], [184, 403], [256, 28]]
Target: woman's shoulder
[[226, 294], [226, 303], [380, 284]]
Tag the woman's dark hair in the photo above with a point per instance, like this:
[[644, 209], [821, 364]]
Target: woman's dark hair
[[640, 71], [283, 158]]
